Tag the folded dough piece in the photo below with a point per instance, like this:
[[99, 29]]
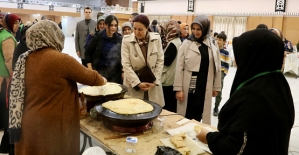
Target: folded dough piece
[[197, 128], [178, 140], [184, 150]]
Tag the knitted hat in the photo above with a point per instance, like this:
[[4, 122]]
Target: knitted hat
[[9, 21], [101, 18], [127, 24]]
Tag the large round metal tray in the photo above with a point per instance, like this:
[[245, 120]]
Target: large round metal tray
[[135, 120]]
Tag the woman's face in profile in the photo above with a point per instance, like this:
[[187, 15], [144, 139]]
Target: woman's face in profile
[[196, 31], [140, 30], [16, 26]]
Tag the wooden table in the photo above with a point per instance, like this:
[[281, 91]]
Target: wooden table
[[147, 143]]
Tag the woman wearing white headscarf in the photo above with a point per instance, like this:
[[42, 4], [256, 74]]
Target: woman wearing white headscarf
[[44, 104]]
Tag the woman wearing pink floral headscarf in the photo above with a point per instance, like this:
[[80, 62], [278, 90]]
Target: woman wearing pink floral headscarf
[[171, 42]]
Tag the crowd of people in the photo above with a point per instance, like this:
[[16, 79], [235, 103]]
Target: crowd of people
[[158, 61]]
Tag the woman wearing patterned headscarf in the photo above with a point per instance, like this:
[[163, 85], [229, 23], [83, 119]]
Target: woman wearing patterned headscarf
[[171, 43], [198, 72], [44, 97], [9, 25]]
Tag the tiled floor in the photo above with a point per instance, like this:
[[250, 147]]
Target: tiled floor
[[293, 82]]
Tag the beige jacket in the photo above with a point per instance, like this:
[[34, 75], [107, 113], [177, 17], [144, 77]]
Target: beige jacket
[[133, 59], [188, 61], [8, 48]]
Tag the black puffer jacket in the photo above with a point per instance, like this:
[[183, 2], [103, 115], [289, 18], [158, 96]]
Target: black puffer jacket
[[107, 63]]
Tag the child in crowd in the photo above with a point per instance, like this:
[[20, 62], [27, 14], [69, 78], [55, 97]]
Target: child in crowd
[[127, 28], [224, 55]]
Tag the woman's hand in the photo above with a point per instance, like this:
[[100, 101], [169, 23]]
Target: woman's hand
[[215, 93], [89, 66], [144, 86], [105, 81], [180, 95], [201, 136]]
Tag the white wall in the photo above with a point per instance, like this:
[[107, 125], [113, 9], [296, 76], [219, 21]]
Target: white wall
[[95, 2], [236, 6], [216, 6], [65, 9], [8, 5], [165, 6], [292, 6], [82, 2]]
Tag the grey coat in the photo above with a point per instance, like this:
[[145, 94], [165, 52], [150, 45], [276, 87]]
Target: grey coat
[[133, 59], [81, 35], [188, 61]]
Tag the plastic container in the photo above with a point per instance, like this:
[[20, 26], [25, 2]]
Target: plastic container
[[131, 144], [158, 124]]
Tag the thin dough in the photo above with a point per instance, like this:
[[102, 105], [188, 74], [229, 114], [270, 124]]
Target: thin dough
[[108, 89], [128, 106]]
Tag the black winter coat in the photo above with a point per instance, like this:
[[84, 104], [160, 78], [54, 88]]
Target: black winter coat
[[95, 55]]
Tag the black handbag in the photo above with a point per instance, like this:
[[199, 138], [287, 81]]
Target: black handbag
[[145, 75]]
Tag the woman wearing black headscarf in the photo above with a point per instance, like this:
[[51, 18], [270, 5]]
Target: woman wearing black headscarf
[[197, 76], [258, 117]]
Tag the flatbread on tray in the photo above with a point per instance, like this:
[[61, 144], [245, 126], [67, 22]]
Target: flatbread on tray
[[107, 89], [128, 106]]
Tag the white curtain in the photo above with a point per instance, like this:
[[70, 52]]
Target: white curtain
[[232, 26], [240, 25]]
